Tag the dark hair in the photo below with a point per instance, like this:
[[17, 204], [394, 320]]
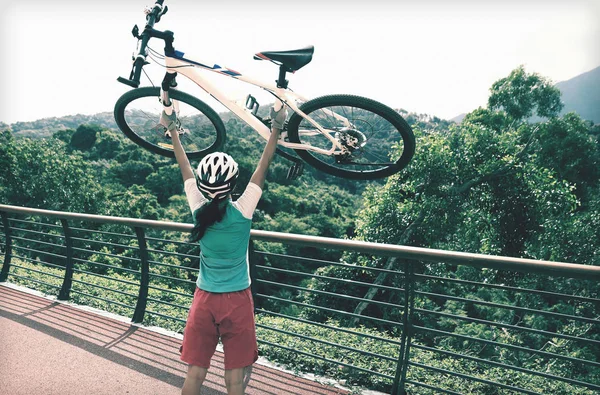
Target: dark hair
[[207, 215]]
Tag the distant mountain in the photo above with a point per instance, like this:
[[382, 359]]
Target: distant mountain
[[580, 94], [459, 118], [45, 127]]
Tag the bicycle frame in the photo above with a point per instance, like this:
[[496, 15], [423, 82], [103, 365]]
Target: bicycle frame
[[176, 62]]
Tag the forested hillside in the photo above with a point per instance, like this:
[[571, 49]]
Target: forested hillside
[[494, 184]]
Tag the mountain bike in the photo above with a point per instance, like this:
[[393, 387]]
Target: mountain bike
[[343, 135]]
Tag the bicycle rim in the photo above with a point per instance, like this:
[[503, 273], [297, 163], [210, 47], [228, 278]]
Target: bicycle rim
[[138, 116], [378, 141]]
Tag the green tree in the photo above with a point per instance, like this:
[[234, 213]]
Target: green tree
[[521, 93], [135, 202], [109, 145], [64, 135], [84, 137], [489, 185], [165, 183], [40, 173], [132, 172]]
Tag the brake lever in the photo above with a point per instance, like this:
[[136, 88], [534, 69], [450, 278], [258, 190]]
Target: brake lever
[[161, 13]]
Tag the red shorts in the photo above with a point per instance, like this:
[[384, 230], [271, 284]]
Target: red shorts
[[229, 316]]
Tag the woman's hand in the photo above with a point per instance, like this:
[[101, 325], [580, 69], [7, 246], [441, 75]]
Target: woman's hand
[[277, 121]]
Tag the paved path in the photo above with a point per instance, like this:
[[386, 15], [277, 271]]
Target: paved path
[[48, 347]]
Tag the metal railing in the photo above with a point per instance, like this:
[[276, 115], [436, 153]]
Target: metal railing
[[392, 318]]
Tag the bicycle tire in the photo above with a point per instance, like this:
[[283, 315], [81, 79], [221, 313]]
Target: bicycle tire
[[206, 123], [368, 112]]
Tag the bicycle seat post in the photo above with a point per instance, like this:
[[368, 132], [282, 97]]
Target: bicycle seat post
[[281, 81]]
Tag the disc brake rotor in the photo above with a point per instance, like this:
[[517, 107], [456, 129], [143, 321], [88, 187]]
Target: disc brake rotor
[[351, 141]]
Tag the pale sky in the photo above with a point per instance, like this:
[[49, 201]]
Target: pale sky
[[438, 57]]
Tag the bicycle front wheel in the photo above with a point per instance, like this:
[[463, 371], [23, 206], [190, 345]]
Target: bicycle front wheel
[[376, 141], [138, 111]]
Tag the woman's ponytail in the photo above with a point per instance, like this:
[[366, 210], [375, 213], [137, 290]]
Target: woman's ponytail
[[207, 215]]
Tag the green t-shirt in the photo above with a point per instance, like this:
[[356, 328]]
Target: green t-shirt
[[224, 253], [224, 247]]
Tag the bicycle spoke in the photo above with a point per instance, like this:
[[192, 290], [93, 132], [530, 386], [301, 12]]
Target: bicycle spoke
[[143, 117], [372, 134]]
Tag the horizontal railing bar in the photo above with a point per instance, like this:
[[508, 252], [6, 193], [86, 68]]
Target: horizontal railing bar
[[106, 277], [165, 316], [22, 221], [168, 241], [331, 263], [510, 367], [503, 325], [36, 271], [172, 278], [343, 280], [509, 346], [103, 299], [332, 361], [509, 307], [104, 232], [168, 303], [38, 242], [332, 310], [106, 243], [93, 252], [105, 288], [173, 266], [473, 378], [38, 261], [316, 291], [173, 253], [37, 232], [132, 222], [416, 383], [107, 266], [35, 281], [325, 342], [93, 285], [38, 251], [335, 328], [588, 272], [507, 288], [170, 291]]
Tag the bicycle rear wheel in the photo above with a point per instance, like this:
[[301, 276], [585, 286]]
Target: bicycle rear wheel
[[377, 141], [138, 111]]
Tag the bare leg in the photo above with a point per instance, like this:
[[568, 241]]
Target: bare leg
[[234, 381], [193, 381]]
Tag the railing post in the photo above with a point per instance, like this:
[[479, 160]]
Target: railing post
[[140, 308], [403, 358], [65, 290], [8, 249]]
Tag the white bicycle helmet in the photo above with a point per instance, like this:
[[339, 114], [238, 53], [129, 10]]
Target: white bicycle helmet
[[216, 175]]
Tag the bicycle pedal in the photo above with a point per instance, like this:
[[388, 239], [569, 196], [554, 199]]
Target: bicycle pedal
[[295, 171], [252, 104]]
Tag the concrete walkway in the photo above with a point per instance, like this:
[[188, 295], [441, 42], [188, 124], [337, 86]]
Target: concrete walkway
[[49, 347]]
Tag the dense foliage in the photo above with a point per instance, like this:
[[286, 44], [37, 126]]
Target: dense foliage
[[494, 184]]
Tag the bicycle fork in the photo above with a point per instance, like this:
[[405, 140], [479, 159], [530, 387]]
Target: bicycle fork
[[168, 82]]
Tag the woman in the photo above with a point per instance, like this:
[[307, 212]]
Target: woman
[[222, 306]]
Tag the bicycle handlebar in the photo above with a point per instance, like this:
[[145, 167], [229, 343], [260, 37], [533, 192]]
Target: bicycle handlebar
[[152, 17]]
